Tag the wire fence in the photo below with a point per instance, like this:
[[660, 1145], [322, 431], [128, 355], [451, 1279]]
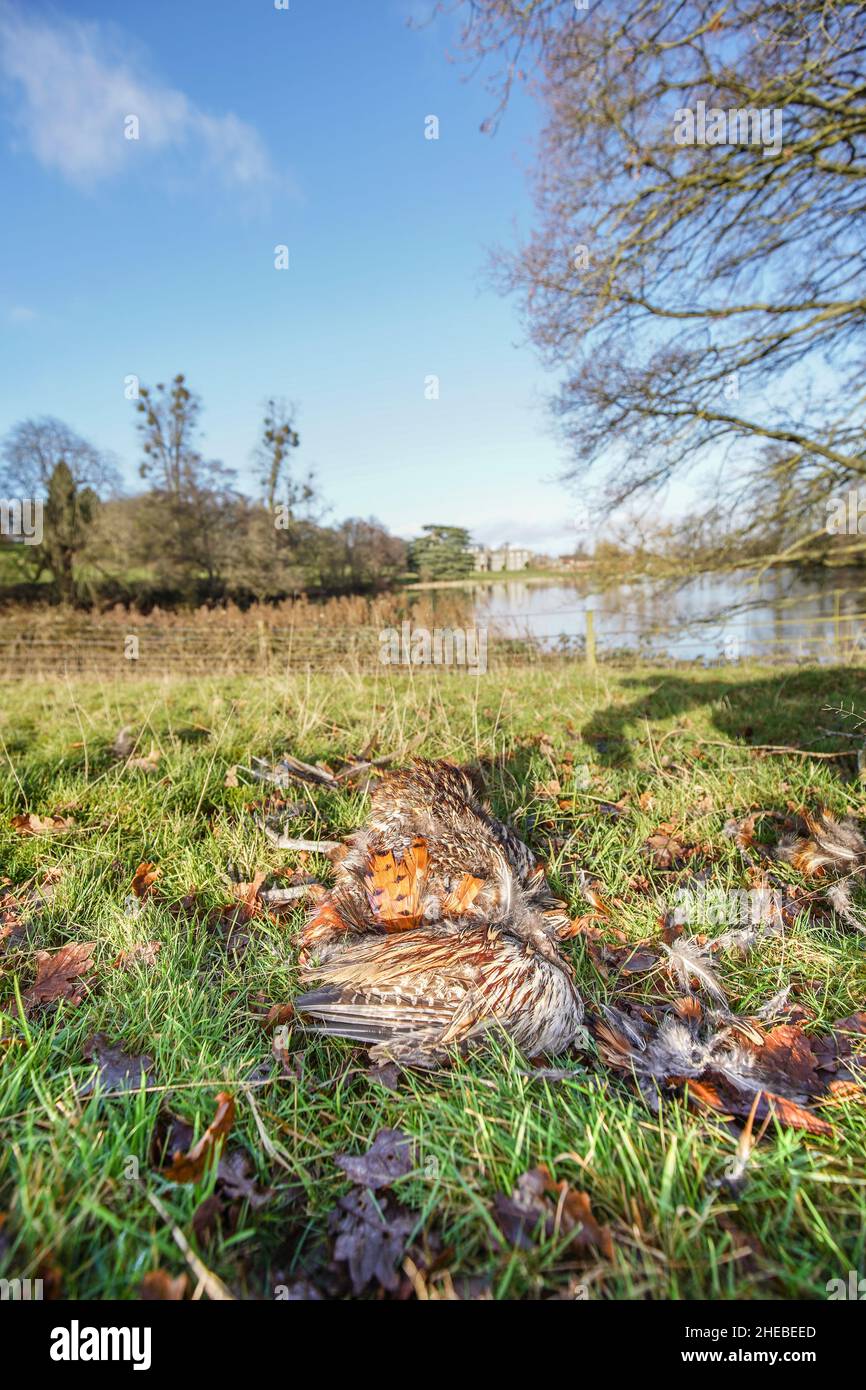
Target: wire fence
[[134, 645]]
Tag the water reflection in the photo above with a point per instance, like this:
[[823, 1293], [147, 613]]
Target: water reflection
[[780, 615]]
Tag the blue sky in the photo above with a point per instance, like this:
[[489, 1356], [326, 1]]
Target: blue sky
[[261, 127]]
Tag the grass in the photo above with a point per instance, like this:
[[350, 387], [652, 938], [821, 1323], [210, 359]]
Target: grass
[[75, 1173]]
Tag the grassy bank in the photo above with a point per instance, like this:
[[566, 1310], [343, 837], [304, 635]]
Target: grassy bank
[[557, 749]]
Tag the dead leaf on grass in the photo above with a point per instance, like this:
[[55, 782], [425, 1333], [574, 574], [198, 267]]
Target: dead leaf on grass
[[149, 763], [158, 1285], [61, 974], [388, 1158], [144, 955], [116, 1069], [143, 879], [664, 850], [540, 1206], [30, 824], [372, 1234], [190, 1166]]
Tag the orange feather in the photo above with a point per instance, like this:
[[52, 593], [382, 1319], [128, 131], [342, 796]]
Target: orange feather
[[461, 898], [395, 887]]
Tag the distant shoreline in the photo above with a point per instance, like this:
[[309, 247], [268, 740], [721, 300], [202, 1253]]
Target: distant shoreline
[[502, 576]]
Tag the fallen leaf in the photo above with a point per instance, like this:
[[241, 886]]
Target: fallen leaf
[[664, 850], [615, 809], [833, 1051], [207, 1217], [144, 955], [40, 825], [13, 929], [714, 1093], [116, 1069], [786, 1059], [149, 763], [61, 974], [231, 923], [233, 1176], [277, 1015], [578, 1220], [160, 1285], [540, 1206], [371, 1236], [745, 1246], [190, 1166], [143, 879], [742, 832], [388, 1158], [247, 893]]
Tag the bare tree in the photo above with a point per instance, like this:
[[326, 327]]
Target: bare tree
[[32, 450], [192, 508], [698, 269], [273, 453]]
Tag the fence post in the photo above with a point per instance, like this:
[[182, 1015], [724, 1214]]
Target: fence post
[[264, 647], [590, 640], [837, 621]]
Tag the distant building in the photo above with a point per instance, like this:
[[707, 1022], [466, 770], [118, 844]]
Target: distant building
[[577, 561], [504, 557]]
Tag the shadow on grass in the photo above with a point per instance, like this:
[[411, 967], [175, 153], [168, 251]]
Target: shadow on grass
[[791, 709]]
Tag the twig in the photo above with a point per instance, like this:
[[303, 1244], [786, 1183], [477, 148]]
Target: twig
[[286, 770], [158, 1090], [213, 1285], [286, 841], [273, 897], [771, 748]]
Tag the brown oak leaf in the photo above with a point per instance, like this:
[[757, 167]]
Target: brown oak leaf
[[61, 974]]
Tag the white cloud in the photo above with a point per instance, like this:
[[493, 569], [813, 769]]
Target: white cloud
[[20, 313], [74, 89]]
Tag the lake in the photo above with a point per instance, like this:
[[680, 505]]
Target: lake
[[778, 616]]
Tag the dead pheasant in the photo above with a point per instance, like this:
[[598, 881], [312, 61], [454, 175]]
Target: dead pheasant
[[440, 931]]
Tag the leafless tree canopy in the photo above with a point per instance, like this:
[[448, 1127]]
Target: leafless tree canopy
[[703, 301], [33, 449]]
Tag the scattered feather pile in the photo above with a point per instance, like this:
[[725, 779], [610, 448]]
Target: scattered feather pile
[[825, 847], [729, 1065]]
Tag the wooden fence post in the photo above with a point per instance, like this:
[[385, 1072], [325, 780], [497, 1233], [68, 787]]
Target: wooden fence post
[[264, 647], [590, 640]]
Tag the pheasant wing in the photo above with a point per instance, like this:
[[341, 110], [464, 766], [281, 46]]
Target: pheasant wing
[[413, 996]]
